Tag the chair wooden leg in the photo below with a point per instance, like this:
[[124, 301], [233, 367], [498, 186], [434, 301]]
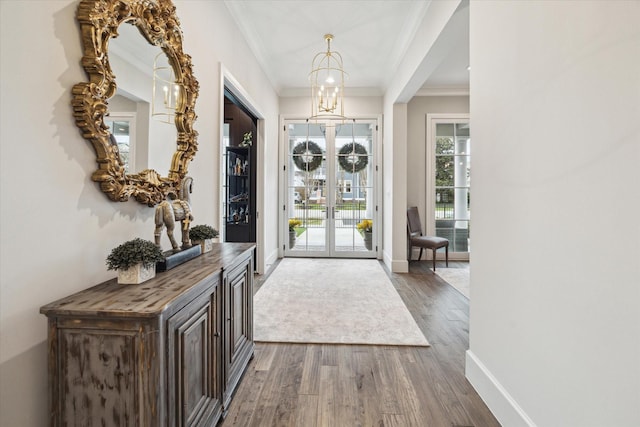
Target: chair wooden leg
[[434, 259], [446, 248], [420, 256]]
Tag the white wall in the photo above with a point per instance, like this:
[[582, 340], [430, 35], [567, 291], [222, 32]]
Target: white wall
[[394, 183], [422, 57], [56, 226], [218, 40], [418, 109], [555, 295], [354, 106]]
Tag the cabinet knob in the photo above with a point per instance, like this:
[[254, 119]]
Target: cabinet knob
[[216, 334]]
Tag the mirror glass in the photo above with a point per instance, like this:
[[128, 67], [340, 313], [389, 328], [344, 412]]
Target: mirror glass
[[150, 142]]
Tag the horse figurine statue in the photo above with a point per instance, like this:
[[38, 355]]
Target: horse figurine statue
[[176, 208]]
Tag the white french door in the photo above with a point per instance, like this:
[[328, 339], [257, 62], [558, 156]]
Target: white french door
[[449, 182], [329, 189]]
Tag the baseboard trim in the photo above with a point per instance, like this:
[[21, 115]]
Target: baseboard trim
[[400, 266], [500, 403], [397, 266], [270, 260], [272, 257]]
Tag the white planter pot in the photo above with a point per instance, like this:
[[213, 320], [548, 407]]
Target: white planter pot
[[206, 244], [136, 274]]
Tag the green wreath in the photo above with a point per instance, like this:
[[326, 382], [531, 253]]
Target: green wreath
[[353, 157], [307, 156]]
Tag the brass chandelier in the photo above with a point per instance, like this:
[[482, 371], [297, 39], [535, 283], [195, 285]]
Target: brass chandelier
[[327, 83]]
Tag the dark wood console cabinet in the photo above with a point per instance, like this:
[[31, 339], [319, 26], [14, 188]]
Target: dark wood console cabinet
[[168, 352]]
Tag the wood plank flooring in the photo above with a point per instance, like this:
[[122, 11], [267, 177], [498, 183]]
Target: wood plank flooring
[[358, 385]]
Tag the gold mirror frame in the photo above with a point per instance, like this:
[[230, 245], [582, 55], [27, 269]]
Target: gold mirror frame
[[157, 21]]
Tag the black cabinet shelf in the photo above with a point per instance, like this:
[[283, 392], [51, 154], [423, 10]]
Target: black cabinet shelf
[[239, 195]]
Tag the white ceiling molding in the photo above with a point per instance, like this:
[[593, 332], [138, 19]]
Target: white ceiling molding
[[443, 91]]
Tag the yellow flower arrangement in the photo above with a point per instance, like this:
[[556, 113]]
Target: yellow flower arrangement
[[293, 223], [366, 225]]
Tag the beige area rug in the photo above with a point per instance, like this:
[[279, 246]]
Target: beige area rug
[[338, 301], [456, 277]]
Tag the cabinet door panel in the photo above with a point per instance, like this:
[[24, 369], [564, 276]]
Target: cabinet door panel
[[193, 365], [238, 316], [192, 382], [238, 344], [98, 384]]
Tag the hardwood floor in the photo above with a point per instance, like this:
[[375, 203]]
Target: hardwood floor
[[357, 385]]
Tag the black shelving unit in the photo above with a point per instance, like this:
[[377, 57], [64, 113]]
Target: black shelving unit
[[239, 196]]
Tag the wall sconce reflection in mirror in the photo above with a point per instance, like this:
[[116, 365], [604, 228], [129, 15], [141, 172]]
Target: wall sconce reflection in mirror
[[167, 92]]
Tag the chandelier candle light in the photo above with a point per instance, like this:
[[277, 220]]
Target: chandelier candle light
[[327, 83]]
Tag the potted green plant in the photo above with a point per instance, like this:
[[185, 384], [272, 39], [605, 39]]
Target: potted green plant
[[366, 228], [204, 236], [135, 261], [293, 223]]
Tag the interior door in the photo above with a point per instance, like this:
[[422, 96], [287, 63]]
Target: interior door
[[330, 189]]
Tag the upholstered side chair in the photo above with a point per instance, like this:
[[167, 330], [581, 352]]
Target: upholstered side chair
[[414, 228]]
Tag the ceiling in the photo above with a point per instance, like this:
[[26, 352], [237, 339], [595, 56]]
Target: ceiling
[[371, 36]]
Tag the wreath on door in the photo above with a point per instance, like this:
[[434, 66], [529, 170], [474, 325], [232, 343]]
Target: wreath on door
[[353, 157], [307, 156]]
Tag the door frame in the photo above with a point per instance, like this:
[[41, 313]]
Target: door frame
[[227, 80], [376, 181], [430, 226]]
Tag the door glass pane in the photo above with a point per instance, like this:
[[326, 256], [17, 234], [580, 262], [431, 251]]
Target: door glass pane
[[353, 214], [453, 184], [444, 141], [121, 132], [307, 193], [444, 171]]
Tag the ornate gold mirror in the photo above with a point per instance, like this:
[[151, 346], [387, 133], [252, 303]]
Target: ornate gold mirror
[[157, 22]]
